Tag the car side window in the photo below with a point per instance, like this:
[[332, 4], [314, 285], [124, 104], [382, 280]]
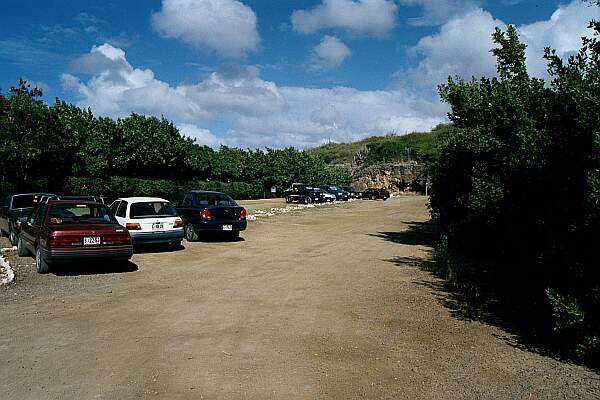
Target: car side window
[[122, 210], [37, 217], [187, 201], [114, 206]]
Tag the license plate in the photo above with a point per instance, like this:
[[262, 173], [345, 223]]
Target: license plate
[[227, 227], [157, 225], [91, 240]]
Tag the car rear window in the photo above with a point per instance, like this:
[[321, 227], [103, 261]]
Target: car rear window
[[152, 209], [80, 214], [25, 201], [214, 199]]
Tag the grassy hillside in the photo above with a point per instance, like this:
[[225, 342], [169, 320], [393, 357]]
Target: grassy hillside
[[422, 146]]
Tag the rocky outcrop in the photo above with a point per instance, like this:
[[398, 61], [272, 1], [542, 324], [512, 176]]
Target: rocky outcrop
[[396, 177]]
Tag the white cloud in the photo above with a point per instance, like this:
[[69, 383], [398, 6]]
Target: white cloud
[[331, 53], [255, 112], [200, 135], [369, 17], [227, 27], [462, 45]]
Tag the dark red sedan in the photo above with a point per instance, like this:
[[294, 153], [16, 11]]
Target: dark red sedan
[[68, 230]]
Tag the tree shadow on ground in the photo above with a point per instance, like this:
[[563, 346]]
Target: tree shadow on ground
[[481, 294], [417, 234], [93, 268]]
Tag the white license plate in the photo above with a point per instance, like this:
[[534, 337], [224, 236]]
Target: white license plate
[[227, 227], [91, 240], [157, 225]]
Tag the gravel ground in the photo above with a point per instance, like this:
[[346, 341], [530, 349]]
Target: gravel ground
[[325, 302]]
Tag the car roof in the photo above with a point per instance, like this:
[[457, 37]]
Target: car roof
[[201, 191], [142, 199], [68, 202], [33, 194]]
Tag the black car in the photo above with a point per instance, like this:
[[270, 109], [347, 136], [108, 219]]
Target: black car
[[302, 193], [204, 211], [375, 193], [17, 210], [338, 192], [354, 194]]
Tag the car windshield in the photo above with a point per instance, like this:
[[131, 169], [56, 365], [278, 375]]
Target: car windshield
[[334, 188], [152, 209], [25, 200], [80, 214], [214, 199]]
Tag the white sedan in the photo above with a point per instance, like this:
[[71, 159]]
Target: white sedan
[[149, 220]]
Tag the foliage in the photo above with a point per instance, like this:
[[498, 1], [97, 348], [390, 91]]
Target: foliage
[[421, 146], [102, 155], [517, 182]]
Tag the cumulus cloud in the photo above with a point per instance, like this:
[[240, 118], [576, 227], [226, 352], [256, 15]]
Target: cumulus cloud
[[331, 53], [117, 89], [249, 111], [200, 135], [227, 27], [369, 17], [462, 45]]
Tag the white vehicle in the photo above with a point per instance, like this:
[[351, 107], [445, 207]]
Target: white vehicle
[[149, 220]]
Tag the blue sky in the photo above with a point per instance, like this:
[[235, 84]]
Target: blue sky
[[271, 73]]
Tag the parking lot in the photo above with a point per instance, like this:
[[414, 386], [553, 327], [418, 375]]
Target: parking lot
[[322, 302]]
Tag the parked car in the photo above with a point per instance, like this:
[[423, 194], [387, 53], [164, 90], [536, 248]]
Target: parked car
[[204, 211], [149, 220], [66, 230], [17, 210], [326, 195], [375, 193], [352, 193], [339, 193], [302, 193]]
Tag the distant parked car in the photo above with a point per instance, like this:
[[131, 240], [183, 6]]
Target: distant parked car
[[65, 230], [204, 211], [339, 193], [17, 210], [354, 194], [326, 195], [302, 193], [375, 193], [149, 220]]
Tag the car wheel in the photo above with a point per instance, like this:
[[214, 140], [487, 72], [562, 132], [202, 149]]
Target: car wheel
[[308, 200], [190, 233], [235, 235], [288, 199], [12, 234], [373, 197], [21, 249], [41, 265]]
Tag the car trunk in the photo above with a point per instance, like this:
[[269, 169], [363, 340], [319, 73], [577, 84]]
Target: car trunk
[[225, 213]]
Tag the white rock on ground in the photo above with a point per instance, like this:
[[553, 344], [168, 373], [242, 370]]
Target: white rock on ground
[[7, 275]]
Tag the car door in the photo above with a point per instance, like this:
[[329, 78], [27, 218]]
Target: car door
[[186, 209], [31, 229]]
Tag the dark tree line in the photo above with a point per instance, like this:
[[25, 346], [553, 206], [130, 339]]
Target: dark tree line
[[517, 190], [52, 143]]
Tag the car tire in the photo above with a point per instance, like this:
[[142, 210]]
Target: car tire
[[234, 236], [190, 232], [41, 265], [373, 197], [288, 199], [308, 200], [12, 235], [21, 249]]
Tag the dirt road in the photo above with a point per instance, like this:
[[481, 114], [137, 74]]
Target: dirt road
[[321, 303]]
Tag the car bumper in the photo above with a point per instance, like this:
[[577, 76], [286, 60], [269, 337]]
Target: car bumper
[[214, 226], [156, 237], [65, 255]]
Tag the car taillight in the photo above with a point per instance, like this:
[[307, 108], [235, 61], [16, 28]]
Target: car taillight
[[178, 223], [205, 214], [64, 241], [243, 213], [117, 239], [130, 226]]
